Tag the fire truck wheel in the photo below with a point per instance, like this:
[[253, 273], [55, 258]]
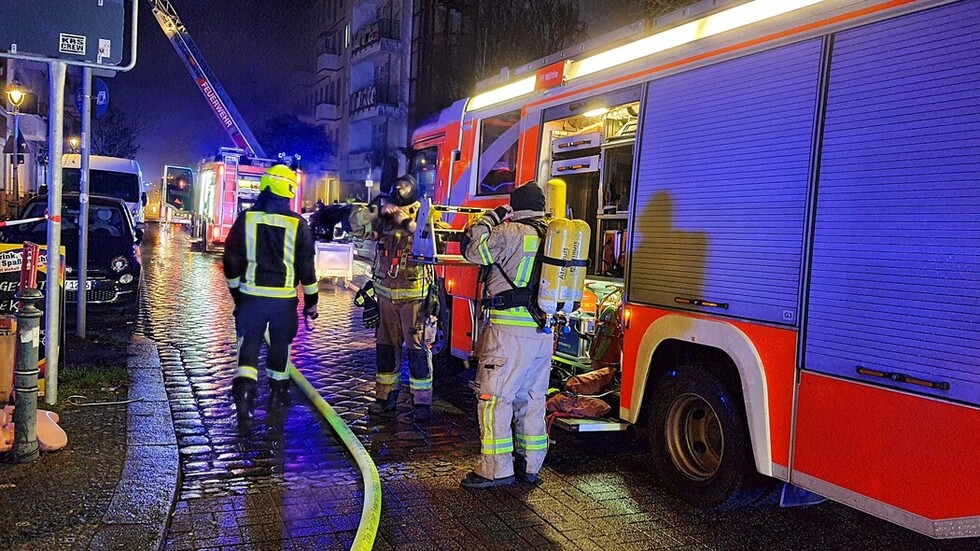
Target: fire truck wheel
[[700, 442]]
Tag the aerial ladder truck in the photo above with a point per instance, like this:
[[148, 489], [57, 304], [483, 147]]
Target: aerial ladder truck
[[229, 183]]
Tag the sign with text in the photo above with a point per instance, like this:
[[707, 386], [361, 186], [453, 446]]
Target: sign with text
[[11, 256], [550, 76], [81, 30]]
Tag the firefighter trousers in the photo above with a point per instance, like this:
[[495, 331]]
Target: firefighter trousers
[[514, 364], [398, 325], [255, 314]]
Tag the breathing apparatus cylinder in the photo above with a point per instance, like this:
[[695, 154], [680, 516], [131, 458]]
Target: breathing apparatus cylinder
[[555, 198], [557, 250], [572, 283]]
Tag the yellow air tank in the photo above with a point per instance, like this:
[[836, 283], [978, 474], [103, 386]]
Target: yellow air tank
[[555, 198], [572, 283], [557, 251]]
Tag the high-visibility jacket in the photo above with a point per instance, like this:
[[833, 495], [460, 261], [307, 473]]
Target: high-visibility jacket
[[269, 251], [511, 248], [396, 276]]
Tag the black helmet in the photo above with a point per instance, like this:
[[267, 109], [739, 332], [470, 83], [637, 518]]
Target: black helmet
[[412, 195]]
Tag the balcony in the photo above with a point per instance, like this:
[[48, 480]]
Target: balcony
[[380, 36], [325, 112], [373, 101], [328, 62]]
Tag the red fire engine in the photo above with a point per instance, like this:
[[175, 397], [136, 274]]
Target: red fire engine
[[229, 183], [786, 194]]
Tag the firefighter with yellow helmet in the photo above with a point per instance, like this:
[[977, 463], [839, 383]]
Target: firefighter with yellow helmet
[[513, 354], [401, 287], [269, 251]]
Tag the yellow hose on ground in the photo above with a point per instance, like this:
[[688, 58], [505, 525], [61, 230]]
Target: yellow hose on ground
[[367, 530]]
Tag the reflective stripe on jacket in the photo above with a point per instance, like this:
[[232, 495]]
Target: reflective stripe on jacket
[[513, 246], [269, 252]]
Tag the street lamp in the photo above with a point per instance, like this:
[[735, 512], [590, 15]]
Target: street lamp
[[15, 96], [73, 143]]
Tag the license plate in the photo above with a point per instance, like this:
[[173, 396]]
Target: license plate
[[72, 284]]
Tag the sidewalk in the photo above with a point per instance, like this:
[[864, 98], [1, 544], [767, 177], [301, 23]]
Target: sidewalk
[[113, 486]]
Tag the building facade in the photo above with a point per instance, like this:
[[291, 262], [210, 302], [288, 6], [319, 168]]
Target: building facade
[[356, 85]]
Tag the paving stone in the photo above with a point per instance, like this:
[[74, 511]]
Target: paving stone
[[286, 482]]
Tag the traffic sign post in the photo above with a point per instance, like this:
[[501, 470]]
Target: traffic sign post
[[99, 95]]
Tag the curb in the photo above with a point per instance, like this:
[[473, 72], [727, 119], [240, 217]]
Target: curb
[[140, 509]]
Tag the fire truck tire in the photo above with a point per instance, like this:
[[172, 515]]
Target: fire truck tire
[[700, 441]]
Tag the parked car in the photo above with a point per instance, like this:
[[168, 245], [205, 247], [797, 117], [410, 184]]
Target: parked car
[[114, 264]]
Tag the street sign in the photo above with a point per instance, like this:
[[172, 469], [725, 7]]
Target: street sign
[[78, 31], [100, 96]]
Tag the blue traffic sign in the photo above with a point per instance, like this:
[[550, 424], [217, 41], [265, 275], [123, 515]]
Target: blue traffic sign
[[100, 95]]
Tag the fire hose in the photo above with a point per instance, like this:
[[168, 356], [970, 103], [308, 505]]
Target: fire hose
[[367, 530]]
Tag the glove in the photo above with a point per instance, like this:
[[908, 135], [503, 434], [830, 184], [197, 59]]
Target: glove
[[498, 215], [365, 299], [310, 313]]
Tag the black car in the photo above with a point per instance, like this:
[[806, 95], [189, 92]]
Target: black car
[[113, 253]]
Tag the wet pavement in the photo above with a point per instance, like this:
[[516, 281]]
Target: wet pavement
[[288, 483]]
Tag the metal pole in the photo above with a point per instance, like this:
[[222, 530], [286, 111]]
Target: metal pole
[[13, 175], [82, 294], [52, 298], [25, 375]]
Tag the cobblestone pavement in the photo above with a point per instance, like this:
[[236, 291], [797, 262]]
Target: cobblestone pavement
[[289, 484]]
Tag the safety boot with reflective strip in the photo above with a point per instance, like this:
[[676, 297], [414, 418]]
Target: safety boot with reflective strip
[[244, 391]]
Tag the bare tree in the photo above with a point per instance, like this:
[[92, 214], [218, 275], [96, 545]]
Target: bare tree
[[510, 34], [118, 134]]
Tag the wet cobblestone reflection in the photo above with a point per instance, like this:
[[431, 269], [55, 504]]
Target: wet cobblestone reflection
[[289, 484]]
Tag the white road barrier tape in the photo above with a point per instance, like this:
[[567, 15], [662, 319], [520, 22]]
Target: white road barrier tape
[[24, 221]]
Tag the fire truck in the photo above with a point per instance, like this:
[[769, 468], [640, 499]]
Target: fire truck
[[787, 195], [228, 182]]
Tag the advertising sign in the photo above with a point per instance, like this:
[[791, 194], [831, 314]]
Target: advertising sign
[[11, 255]]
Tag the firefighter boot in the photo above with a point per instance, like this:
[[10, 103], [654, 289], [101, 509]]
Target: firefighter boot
[[244, 391], [520, 470], [386, 389], [278, 393], [384, 405]]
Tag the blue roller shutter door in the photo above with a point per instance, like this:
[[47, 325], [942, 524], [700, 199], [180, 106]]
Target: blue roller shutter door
[[895, 283], [723, 177]]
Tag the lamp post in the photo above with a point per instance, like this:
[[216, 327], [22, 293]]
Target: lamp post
[[15, 96]]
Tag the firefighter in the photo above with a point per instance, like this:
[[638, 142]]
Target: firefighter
[[268, 252], [402, 287], [513, 354]]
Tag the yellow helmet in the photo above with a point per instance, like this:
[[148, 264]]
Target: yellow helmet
[[280, 180]]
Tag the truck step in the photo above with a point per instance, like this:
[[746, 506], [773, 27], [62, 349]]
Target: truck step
[[601, 424]]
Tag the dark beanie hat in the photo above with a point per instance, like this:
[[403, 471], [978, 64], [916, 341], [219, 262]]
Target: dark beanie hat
[[527, 197]]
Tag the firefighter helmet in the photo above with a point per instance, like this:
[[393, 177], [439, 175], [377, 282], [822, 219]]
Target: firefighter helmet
[[280, 180]]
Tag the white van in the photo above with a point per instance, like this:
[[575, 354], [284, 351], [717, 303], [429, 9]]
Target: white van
[[108, 177]]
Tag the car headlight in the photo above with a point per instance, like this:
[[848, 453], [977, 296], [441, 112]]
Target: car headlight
[[119, 263], [126, 279]]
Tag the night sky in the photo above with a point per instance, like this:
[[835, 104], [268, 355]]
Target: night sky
[[253, 48], [248, 49]]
